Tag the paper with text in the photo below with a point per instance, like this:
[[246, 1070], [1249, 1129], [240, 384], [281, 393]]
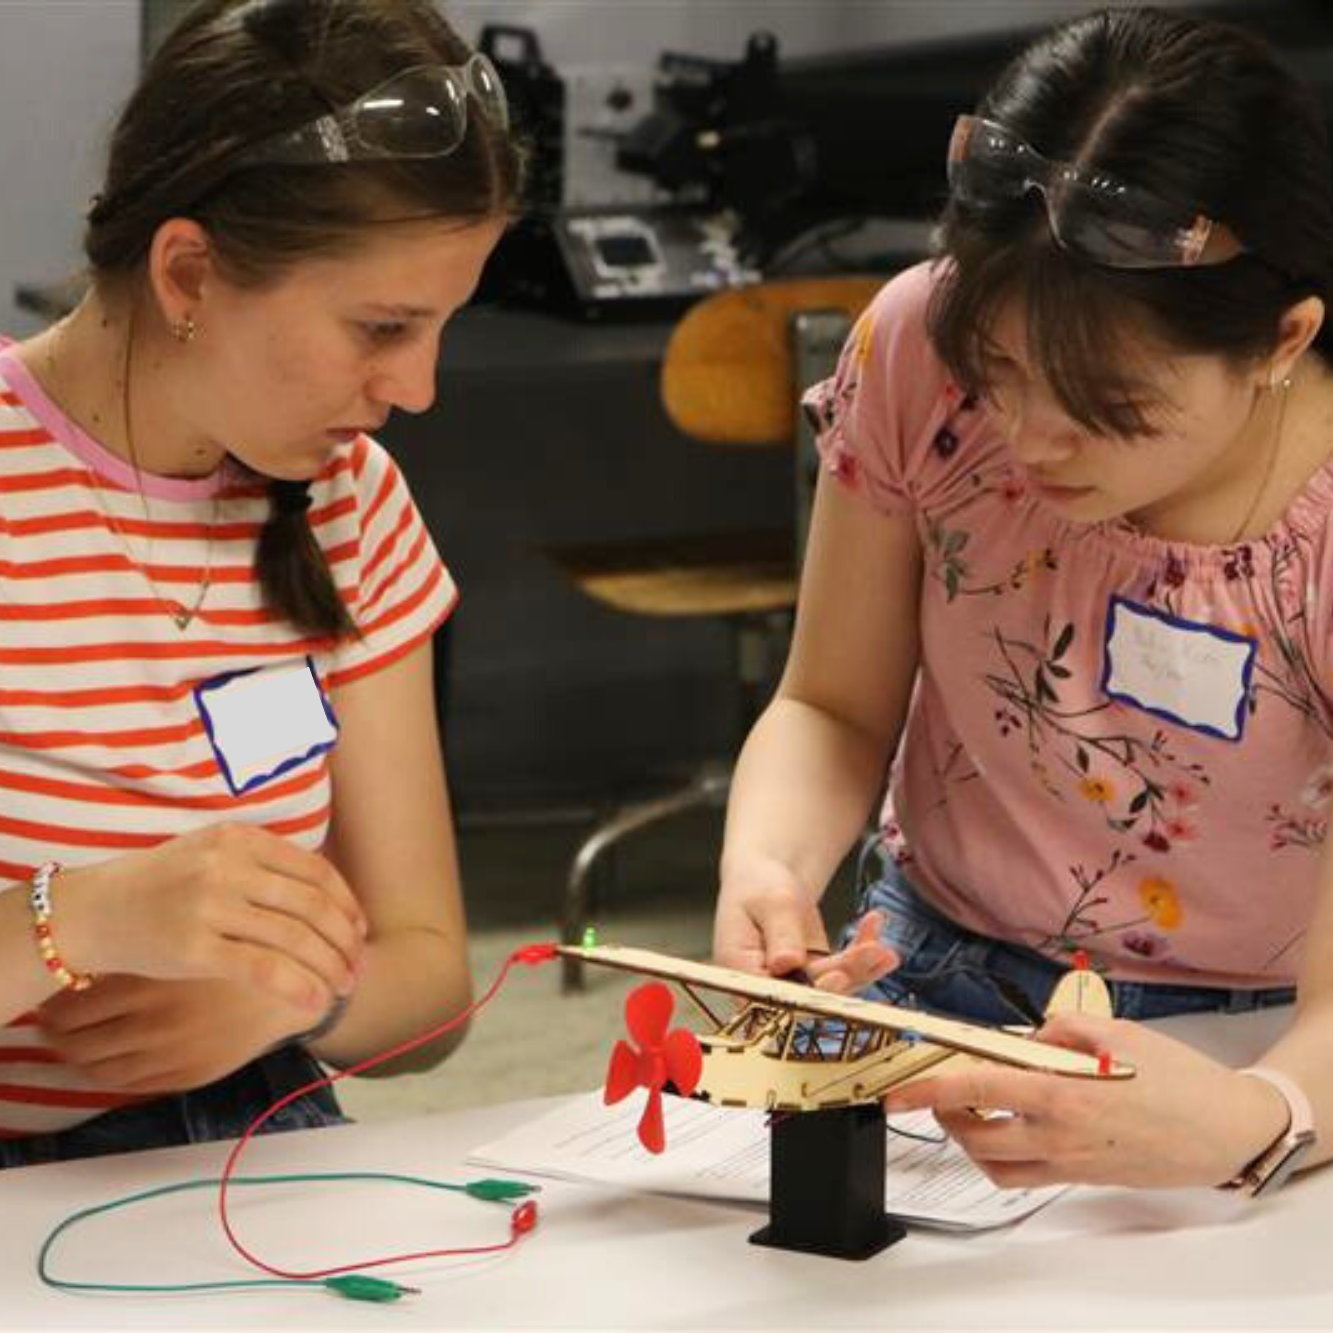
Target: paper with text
[[722, 1153]]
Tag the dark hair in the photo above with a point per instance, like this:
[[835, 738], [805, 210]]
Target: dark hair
[[1198, 112], [235, 72]]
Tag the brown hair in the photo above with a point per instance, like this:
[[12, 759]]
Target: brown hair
[[1201, 114], [235, 72]]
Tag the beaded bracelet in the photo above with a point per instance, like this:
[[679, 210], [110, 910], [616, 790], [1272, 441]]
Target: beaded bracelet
[[39, 899]]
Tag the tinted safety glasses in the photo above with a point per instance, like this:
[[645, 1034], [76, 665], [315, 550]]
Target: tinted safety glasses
[[1092, 214]]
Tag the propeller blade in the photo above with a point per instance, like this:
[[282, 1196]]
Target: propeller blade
[[684, 1060], [652, 1132], [622, 1074], [647, 1013]]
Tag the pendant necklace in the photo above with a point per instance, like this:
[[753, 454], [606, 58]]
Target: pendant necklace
[[181, 614]]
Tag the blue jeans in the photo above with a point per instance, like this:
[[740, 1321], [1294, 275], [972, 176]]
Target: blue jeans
[[948, 969], [221, 1110]]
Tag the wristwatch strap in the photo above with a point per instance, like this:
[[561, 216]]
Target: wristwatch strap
[[1281, 1157]]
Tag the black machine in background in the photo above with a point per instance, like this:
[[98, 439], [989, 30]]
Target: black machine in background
[[709, 173], [598, 240]]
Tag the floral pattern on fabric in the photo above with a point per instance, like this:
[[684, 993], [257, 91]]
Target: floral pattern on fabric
[[1029, 804]]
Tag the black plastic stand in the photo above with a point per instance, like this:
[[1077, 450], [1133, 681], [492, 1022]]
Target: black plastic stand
[[827, 1190]]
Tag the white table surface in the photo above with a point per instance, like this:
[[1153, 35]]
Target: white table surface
[[605, 1259]]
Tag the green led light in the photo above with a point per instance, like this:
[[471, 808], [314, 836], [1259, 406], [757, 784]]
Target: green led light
[[589, 937]]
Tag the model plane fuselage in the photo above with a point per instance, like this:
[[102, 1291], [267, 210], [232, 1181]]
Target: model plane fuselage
[[801, 1063], [789, 1047]]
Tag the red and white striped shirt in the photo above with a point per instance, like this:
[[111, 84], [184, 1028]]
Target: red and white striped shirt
[[102, 747]]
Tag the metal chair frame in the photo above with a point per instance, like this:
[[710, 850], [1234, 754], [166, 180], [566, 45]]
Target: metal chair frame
[[817, 336]]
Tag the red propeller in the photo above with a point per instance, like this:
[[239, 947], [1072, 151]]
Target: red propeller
[[661, 1057]]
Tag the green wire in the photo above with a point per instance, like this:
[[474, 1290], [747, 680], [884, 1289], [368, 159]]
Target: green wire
[[354, 1286]]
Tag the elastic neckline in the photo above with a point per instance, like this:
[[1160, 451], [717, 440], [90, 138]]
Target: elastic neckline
[[1307, 514]]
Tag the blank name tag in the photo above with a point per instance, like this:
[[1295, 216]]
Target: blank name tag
[[264, 721], [1194, 674]]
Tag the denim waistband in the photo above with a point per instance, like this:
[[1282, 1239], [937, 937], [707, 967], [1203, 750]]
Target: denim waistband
[[220, 1110], [944, 966]]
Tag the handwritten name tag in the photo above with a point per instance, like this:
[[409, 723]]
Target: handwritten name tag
[[1181, 670], [265, 721]]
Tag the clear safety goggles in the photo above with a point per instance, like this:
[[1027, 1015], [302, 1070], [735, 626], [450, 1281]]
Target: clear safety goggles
[[419, 112], [1090, 213]]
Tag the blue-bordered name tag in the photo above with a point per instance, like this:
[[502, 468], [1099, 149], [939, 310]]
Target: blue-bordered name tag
[[266, 720], [1194, 674]]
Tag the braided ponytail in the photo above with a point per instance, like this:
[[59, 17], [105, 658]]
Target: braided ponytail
[[294, 576]]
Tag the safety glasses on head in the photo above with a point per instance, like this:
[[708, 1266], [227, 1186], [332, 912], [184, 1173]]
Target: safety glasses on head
[[419, 112], [1092, 214]]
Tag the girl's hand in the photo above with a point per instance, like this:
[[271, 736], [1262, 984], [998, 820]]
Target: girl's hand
[[152, 1037], [766, 923], [230, 902], [1183, 1119]]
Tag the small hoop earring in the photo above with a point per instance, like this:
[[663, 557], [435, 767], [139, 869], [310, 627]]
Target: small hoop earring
[[183, 330]]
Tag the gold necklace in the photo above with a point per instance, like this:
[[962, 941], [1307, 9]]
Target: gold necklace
[[1269, 466], [182, 615]]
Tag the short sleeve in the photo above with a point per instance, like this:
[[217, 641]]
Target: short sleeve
[[875, 416], [403, 590]]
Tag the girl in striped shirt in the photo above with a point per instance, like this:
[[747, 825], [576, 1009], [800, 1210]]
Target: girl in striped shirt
[[225, 841]]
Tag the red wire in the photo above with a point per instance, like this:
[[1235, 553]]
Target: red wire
[[530, 954]]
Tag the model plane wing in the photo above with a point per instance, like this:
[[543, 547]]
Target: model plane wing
[[989, 1043]]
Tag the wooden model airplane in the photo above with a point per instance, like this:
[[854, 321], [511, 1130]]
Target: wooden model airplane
[[821, 1062], [792, 1047]]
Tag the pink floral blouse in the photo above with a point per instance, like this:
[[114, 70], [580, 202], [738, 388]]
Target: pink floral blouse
[[1117, 743]]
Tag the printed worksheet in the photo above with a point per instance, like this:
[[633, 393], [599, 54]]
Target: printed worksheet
[[723, 1153]]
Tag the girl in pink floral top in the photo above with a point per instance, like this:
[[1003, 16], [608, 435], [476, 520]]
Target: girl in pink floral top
[[1071, 564]]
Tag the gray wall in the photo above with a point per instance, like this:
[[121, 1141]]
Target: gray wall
[[65, 66]]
